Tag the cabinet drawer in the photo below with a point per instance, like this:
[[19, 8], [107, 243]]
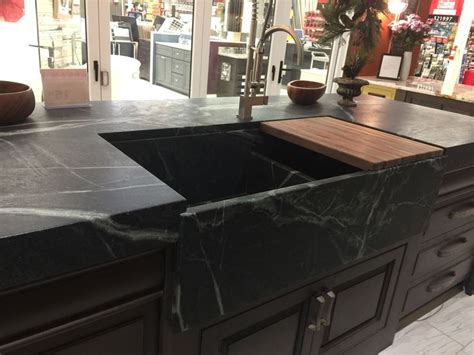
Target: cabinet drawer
[[163, 50], [449, 217], [445, 252], [128, 328], [177, 81], [178, 67], [424, 292], [177, 53], [457, 180], [379, 91]]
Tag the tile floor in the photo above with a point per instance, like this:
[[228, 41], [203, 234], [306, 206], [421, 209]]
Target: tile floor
[[447, 330]]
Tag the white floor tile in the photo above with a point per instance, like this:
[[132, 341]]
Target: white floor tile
[[468, 349], [445, 331], [423, 339], [456, 319]]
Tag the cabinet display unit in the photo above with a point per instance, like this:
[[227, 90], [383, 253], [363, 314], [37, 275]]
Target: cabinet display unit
[[468, 59], [434, 53], [144, 58], [173, 67]]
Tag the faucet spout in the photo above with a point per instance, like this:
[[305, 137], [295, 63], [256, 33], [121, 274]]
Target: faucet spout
[[253, 81]]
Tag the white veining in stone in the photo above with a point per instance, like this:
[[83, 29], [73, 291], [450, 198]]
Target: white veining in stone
[[56, 160], [217, 289], [74, 192], [100, 220]]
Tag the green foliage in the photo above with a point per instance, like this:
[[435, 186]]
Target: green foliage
[[364, 26]]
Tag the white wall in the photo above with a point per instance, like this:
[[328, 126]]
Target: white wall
[[18, 61]]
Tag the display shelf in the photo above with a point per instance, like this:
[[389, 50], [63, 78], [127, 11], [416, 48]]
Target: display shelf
[[434, 53]]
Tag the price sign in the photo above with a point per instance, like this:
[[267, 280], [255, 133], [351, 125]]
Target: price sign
[[446, 7], [64, 88]]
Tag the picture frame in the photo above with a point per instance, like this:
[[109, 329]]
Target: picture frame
[[62, 9], [390, 66]]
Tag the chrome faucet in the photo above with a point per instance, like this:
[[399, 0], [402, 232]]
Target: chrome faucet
[[253, 82]]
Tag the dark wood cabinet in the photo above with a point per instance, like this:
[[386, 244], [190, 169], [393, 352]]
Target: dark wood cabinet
[[130, 328], [114, 309], [329, 316], [144, 58], [437, 102], [446, 250]]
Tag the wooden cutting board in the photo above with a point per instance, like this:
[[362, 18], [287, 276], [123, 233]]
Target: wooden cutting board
[[363, 147]]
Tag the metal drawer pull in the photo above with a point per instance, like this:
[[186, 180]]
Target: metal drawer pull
[[330, 298], [442, 283], [315, 325], [453, 249], [462, 212]]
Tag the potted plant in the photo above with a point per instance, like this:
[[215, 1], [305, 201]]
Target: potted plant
[[360, 18], [406, 35]]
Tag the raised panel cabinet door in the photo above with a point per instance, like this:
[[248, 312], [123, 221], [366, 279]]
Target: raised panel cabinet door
[[160, 69], [128, 329], [163, 70], [168, 68], [357, 304], [275, 328]]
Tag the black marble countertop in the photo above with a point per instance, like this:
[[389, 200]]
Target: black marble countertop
[[70, 200]]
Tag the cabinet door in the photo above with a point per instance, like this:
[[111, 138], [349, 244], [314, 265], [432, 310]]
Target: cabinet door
[[328, 316], [131, 328], [163, 70], [271, 329], [361, 306]]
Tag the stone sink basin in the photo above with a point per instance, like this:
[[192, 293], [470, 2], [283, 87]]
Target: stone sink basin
[[265, 216]]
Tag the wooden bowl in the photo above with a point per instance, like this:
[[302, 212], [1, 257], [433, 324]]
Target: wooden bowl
[[305, 92], [17, 102]]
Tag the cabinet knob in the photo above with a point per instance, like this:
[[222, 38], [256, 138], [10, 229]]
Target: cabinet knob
[[312, 327]]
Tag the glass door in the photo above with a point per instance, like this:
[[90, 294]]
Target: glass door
[[321, 63], [228, 41], [147, 47], [223, 27], [224, 24], [49, 37], [18, 60]]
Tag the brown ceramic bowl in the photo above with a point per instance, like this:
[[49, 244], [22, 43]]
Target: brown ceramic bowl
[[17, 102], [305, 92]]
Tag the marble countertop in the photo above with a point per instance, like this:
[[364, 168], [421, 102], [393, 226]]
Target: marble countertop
[[426, 86], [66, 189]]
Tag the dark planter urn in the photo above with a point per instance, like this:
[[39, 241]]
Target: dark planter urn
[[349, 88]]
